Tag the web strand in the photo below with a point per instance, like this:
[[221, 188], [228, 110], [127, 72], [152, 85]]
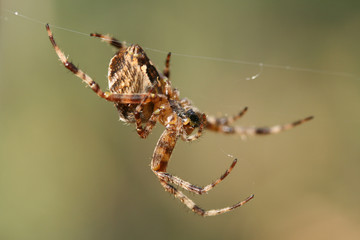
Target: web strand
[[235, 61]]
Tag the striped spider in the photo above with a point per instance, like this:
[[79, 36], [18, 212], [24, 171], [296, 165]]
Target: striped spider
[[144, 96]]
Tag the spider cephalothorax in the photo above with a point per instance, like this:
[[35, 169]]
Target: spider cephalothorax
[[144, 96]]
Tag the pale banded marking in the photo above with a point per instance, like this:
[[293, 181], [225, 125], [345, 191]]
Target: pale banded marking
[[196, 209], [249, 131], [190, 187], [110, 40]]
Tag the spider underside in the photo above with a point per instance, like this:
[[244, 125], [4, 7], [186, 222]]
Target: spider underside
[[144, 96]]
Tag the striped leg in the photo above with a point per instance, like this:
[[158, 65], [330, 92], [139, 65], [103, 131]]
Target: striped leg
[[196, 209], [145, 131], [166, 71], [79, 73], [250, 131], [134, 98], [159, 163], [226, 120], [190, 187], [110, 40]]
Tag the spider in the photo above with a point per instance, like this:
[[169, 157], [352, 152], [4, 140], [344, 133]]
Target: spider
[[144, 96]]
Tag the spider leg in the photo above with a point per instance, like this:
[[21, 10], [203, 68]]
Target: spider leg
[[196, 209], [145, 131], [250, 131], [159, 163], [166, 71], [165, 79], [79, 73], [110, 40], [226, 120], [190, 187], [133, 98]]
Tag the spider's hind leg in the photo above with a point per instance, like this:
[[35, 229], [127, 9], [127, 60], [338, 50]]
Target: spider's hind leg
[[78, 72], [110, 40], [166, 71], [133, 98]]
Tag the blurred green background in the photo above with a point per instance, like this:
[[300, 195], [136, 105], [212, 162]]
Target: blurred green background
[[70, 170]]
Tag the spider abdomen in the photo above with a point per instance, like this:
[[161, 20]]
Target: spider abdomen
[[131, 71]]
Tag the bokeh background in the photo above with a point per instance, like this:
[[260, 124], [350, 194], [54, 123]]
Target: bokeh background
[[70, 170]]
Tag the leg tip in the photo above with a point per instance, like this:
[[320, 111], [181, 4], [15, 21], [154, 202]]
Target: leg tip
[[309, 118]]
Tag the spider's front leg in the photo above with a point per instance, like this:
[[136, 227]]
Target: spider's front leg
[[221, 125], [185, 137], [159, 163], [214, 123]]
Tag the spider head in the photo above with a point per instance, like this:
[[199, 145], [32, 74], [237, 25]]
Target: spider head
[[193, 118]]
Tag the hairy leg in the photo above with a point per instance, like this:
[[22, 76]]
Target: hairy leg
[[250, 131], [159, 163]]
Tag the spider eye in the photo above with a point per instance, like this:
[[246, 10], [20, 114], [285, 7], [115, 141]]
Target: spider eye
[[194, 118]]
